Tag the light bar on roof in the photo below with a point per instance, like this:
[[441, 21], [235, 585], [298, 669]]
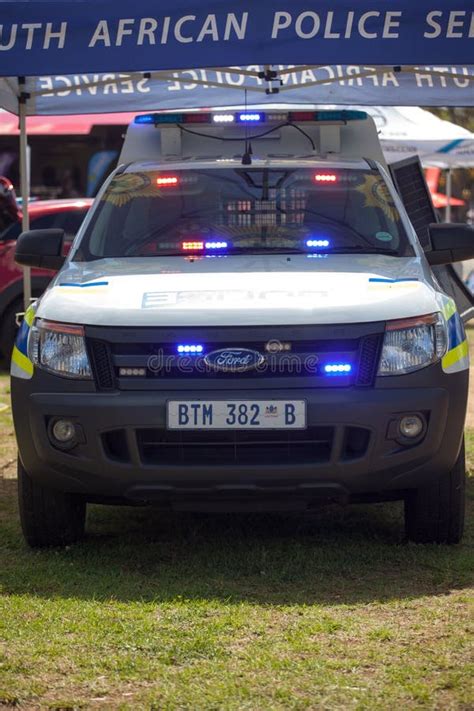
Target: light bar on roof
[[251, 117]]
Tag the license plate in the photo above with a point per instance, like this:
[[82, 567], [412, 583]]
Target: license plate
[[236, 414]]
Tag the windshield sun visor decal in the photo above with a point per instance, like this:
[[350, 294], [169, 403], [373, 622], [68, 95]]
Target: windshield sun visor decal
[[377, 195], [128, 186]]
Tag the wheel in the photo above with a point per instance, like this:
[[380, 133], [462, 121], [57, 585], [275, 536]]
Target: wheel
[[48, 517], [435, 514], [8, 331]]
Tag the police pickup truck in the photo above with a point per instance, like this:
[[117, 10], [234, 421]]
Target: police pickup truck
[[247, 320]]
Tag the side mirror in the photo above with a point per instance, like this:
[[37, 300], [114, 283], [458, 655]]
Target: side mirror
[[451, 242], [40, 248]]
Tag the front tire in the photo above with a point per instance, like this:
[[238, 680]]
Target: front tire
[[48, 517], [435, 513]]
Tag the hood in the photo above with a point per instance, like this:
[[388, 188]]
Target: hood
[[239, 290]]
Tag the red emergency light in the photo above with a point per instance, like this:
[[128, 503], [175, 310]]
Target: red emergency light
[[325, 178], [167, 181]]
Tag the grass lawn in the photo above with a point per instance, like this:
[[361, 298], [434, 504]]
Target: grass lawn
[[234, 612]]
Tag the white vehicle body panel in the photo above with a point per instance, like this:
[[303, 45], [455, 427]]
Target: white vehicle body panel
[[240, 290]]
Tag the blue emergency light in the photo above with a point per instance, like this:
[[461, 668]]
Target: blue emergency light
[[216, 245], [190, 349], [337, 368], [251, 117], [318, 243]]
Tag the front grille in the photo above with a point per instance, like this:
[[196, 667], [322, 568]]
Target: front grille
[[315, 445], [141, 359]]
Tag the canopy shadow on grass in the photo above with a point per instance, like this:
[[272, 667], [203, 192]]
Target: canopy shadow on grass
[[336, 556]]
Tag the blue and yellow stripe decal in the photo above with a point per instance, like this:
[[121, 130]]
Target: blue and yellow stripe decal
[[21, 365], [457, 355], [88, 287]]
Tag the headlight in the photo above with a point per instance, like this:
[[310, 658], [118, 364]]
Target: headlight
[[412, 344], [59, 348]]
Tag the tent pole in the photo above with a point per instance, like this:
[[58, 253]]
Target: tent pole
[[24, 185], [449, 193]]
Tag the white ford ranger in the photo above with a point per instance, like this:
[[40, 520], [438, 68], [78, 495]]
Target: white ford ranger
[[246, 321]]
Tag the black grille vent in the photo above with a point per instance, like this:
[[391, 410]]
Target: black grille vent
[[210, 447], [102, 365], [369, 352]]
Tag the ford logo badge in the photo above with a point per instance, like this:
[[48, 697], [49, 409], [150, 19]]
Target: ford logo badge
[[234, 360]]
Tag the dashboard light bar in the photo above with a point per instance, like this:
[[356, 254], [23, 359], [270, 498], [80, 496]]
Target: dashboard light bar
[[317, 243], [325, 178], [193, 245], [190, 349], [167, 180], [338, 368]]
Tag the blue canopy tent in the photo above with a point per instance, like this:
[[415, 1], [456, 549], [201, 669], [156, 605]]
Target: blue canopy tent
[[118, 56]]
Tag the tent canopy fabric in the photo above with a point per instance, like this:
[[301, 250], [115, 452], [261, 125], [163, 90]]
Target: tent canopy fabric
[[199, 88], [39, 36], [117, 56]]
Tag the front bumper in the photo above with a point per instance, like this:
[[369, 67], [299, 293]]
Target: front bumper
[[127, 454]]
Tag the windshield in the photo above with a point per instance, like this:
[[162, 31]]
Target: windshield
[[244, 210]]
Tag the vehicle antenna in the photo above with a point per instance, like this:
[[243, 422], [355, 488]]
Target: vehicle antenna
[[247, 157]]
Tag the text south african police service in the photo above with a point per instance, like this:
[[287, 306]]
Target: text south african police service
[[218, 27]]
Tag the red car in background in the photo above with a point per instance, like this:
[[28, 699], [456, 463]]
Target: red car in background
[[66, 214]]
